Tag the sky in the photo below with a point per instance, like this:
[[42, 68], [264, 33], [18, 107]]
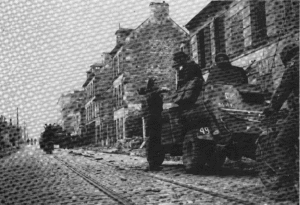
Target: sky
[[46, 47]]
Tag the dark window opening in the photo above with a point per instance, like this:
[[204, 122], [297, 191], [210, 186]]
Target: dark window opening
[[201, 49], [258, 22], [236, 45], [292, 14], [219, 32]]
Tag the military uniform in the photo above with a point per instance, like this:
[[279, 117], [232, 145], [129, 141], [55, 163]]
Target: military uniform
[[190, 99], [288, 135], [152, 106], [230, 75]]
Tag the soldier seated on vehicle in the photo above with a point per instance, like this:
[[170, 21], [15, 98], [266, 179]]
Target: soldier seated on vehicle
[[225, 73], [187, 97]]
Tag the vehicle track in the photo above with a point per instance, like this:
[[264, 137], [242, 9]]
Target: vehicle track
[[229, 197], [117, 197]]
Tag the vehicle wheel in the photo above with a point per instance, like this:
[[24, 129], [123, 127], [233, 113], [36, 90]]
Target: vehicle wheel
[[266, 169], [216, 159], [194, 157]]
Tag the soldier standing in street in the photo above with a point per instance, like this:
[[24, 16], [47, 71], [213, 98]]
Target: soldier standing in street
[[289, 134], [152, 108]]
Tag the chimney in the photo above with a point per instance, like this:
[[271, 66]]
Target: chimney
[[121, 35], [105, 57], [159, 11]]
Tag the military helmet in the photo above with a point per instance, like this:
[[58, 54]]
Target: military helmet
[[223, 55], [179, 54]]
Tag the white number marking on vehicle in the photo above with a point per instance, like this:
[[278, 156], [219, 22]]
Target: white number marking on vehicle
[[204, 130]]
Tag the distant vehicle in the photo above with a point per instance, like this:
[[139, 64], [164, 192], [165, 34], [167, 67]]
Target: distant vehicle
[[47, 146]]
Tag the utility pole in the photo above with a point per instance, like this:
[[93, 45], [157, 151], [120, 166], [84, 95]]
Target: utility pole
[[24, 130], [17, 117]]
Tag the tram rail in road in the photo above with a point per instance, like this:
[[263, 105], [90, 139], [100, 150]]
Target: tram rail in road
[[233, 199], [117, 197]]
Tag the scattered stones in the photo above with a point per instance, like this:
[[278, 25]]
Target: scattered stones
[[153, 190], [123, 178]]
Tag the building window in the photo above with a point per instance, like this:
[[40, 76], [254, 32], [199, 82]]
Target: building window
[[121, 128], [258, 22], [219, 33], [236, 38], [194, 48], [115, 66], [204, 47], [120, 94], [292, 14], [117, 128], [201, 49]]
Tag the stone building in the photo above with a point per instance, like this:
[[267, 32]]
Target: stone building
[[105, 131], [91, 104], [250, 32], [70, 106], [139, 54]]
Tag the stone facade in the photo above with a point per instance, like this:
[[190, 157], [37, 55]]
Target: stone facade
[[105, 125], [69, 105], [91, 102], [247, 31]]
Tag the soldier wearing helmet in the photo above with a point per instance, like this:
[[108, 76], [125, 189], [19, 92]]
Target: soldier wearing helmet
[[225, 73]]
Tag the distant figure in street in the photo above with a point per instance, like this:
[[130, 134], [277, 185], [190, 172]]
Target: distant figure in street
[[28, 141], [152, 108], [288, 136], [225, 73]]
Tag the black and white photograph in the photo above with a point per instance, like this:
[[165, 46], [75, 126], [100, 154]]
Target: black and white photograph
[[149, 102]]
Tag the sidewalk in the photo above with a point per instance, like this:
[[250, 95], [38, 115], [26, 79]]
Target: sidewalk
[[92, 150], [112, 150]]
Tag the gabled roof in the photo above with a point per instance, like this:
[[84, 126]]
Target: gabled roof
[[148, 21], [208, 11]]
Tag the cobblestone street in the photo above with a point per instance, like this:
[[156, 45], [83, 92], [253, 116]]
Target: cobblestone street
[[32, 177]]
